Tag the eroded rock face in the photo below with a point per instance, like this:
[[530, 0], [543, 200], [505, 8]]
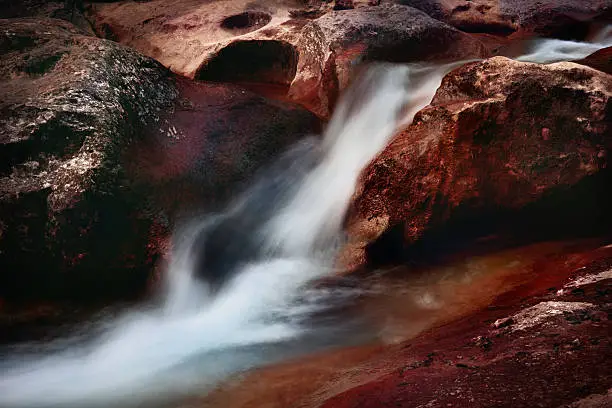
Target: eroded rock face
[[206, 149], [556, 18], [312, 53], [331, 46], [498, 135], [70, 223], [101, 147], [185, 35]]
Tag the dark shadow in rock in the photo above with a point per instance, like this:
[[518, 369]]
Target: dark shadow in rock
[[262, 61], [246, 22], [581, 211]]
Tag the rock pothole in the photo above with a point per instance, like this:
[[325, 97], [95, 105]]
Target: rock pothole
[[246, 22], [258, 61]]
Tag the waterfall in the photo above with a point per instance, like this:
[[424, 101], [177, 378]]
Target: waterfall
[[275, 239], [545, 51], [290, 221]]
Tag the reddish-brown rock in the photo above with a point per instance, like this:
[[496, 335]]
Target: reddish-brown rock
[[309, 53], [537, 345], [209, 146], [600, 60], [185, 34], [556, 18], [498, 135], [99, 146], [331, 46], [523, 327]]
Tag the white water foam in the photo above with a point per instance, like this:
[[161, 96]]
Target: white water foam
[[137, 360]]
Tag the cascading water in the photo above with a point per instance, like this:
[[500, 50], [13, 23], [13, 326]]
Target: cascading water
[[262, 252], [196, 339]]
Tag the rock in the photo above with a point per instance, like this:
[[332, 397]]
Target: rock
[[600, 60], [183, 35], [331, 46], [210, 145], [555, 18], [461, 360], [565, 19], [101, 147], [71, 225], [479, 16], [498, 136], [68, 10], [343, 5], [308, 54], [542, 312]]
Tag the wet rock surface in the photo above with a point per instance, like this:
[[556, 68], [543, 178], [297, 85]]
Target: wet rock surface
[[498, 135], [552, 18], [71, 104], [550, 349], [312, 55], [540, 340], [103, 148]]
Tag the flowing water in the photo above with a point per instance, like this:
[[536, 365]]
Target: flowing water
[[545, 51], [291, 219], [258, 258]]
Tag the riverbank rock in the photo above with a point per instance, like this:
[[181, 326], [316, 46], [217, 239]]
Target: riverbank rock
[[307, 53], [70, 223], [334, 44], [534, 346], [553, 18], [509, 324], [208, 147], [101, 147], [499, 135], [600, 60]]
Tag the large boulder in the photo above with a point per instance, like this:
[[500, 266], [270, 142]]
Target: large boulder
[[101, 147], [69, 220], [332, 45], [498, 136], [308, 54], [556, 18], [71, 103]]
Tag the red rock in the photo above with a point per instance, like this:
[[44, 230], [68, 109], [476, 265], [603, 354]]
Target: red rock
[[331, 46], [554, 353], [83, 216], [479, 147], [461, 359], [600, 60], [211, 144], [311, 57], [343, 5], [556, 18]]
